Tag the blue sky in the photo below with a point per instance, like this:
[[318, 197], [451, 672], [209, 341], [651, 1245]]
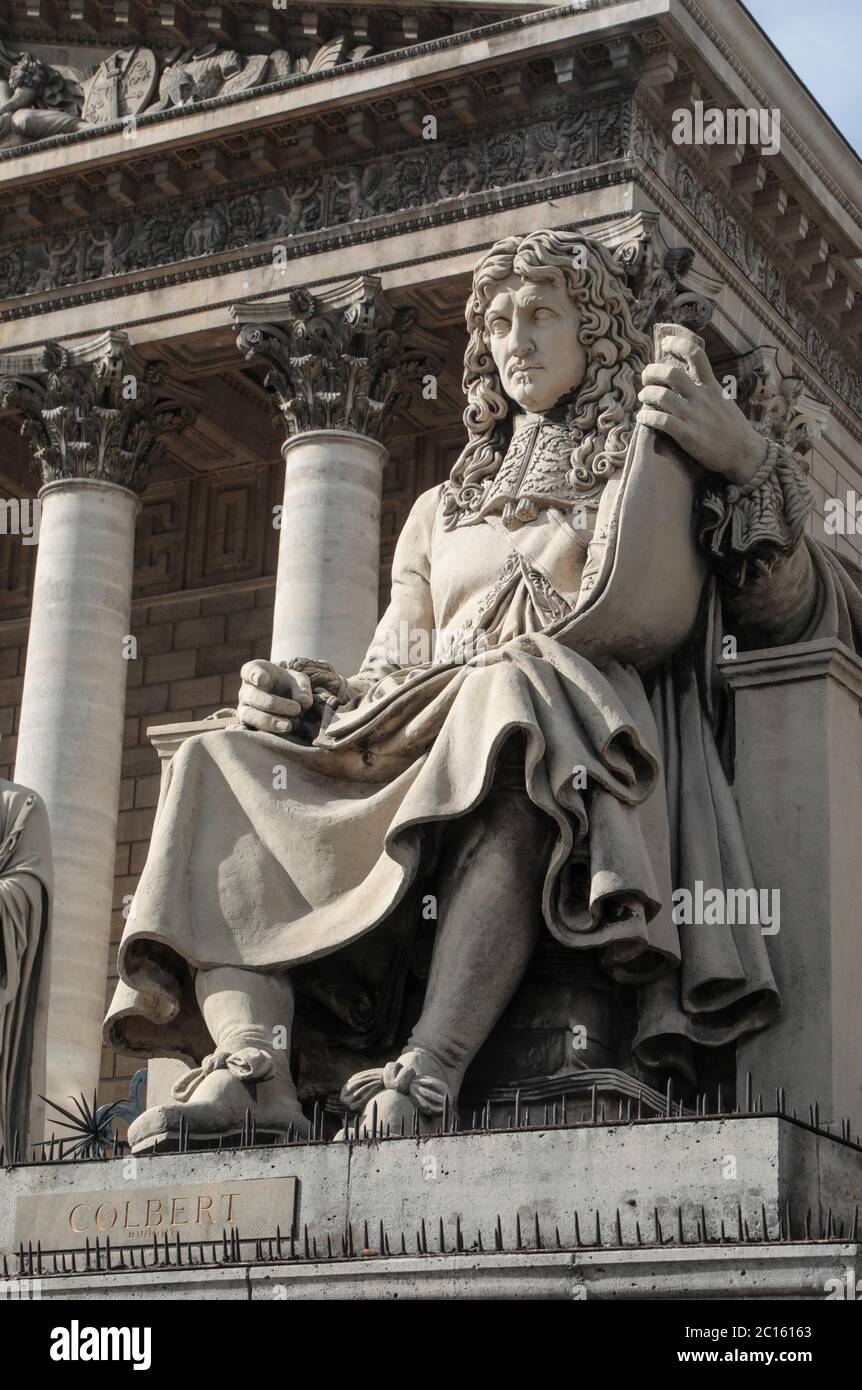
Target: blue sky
[[822, 42]]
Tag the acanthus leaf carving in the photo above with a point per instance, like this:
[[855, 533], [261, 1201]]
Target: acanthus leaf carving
[[342, 360], [96, 412]]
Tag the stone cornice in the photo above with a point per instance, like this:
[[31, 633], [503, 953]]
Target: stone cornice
[[732, 31], [802, 661], [400, 62]]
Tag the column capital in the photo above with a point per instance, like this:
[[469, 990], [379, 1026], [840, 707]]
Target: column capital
[[94, 411], [778, 403], [339, 359]]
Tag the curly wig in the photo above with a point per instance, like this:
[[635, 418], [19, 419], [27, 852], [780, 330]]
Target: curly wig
[[600, 416]]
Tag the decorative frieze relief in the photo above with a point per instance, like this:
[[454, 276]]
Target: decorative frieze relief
[[559, 139], [556, 140], [95, 412], [38, 101]]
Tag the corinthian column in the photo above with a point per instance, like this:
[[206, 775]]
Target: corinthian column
[[338, 369], [92, 416]]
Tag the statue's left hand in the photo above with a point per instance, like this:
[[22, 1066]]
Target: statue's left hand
[[695, 412]]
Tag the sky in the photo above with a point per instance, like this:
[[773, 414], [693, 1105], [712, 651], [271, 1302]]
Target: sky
[[822, 42]]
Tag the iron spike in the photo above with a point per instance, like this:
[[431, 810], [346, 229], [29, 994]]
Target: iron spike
[[565, 1105], [517, 1109], [381, 1240], [480, 1247], [403, 1244], [424, 1238], [679, 1226], [748, 1093], [618, 1228], [557, 1240], [441, 1237], [594, 1103], [498, 1234], [668, 1102], [539, 1245], [517, 1231], [305, 1246], [598, 1228], [763, 1222], [578, 1240], [657, 1227], [739, 1221], [854, 1231], [703, 1223], [459, 1240], [808, 1224]]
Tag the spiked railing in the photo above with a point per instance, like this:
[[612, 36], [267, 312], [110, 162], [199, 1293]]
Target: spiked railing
[[556, 1116], [676, 1229]]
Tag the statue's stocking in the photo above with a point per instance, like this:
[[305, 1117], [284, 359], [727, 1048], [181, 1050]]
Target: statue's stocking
[[489, 917], [246, 1079]]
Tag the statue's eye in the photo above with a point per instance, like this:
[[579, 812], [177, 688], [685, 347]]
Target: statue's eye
[[499, 327], [544, 315]]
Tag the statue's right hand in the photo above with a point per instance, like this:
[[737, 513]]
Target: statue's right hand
[[272, 699]]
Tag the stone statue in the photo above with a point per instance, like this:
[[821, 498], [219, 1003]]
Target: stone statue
[[25, 898], [541, 747], [38, 101]]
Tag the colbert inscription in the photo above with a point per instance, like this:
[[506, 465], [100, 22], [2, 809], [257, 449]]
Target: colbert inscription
[[195, 1211]]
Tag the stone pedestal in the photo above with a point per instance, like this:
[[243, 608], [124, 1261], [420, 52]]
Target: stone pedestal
[[70, 749], [719, 1207], [326, 594], [797, 781]]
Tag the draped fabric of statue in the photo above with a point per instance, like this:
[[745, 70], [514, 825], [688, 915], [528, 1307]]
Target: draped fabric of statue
[[268, 853], [25, 895]]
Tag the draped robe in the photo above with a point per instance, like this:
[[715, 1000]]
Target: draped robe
[[269, 852], [25, 895]]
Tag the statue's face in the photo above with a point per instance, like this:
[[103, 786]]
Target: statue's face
[[532, 330]]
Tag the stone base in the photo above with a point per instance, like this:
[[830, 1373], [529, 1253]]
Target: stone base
[[752, 1206]]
